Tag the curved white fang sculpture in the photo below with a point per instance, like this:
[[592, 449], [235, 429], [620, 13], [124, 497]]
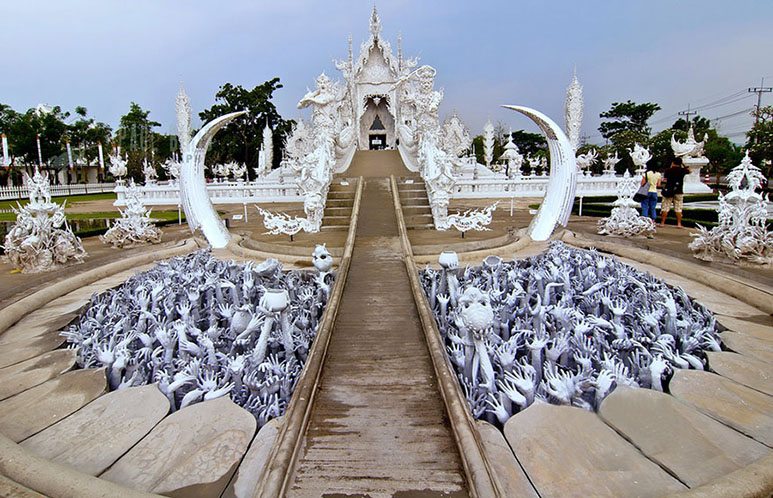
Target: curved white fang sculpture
[[199, 210], [559, 198]]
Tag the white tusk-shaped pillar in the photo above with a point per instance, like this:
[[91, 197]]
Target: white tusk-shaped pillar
[[559, 198], [194, 198]]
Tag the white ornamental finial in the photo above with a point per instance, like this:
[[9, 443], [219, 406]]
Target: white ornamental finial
[[375, 23], [573, 111], [183, 106], [488, 143], [268, 147]]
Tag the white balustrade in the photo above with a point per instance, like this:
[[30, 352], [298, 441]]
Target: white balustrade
[[531, 186], [168, 193]]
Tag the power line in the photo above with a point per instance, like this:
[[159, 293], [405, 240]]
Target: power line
[[739, 113]]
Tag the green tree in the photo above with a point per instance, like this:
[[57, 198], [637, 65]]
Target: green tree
[[84, 134], [627, 116], [530, 144], [241, 140], [759, 140], [626, 125], [136, 138]]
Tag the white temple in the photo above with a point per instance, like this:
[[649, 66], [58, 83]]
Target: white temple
[[374, 84]]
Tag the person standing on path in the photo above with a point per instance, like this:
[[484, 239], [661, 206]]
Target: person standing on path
[[672, 192], [650, 204]]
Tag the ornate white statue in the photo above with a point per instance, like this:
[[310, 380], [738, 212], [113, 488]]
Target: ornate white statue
[[312, 155], [609, 164], [573, 111], [512, 158], [266, 153], [585, 161], [172, 168], [625, 220], [472, 219], [535, 163], [640, 157], [742, 233], [691, 152], [456, 139], [183, 108], [135, 227], [149, 171], [41, 240], [690, 147], [488, 143], [117, 165]]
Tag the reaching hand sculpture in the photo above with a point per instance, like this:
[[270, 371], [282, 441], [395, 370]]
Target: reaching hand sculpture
[[566, 327], [202, 328]]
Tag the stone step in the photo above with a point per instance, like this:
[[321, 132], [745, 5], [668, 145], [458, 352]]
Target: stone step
[[568, 451], [417, 210], [745, 410], [98, 434], [341, 195], [338, 211], [672, 433], [340, 203], [193, 452], [30, 412], [336, 221]]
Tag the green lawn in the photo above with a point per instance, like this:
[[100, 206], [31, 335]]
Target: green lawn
[[97, 215], [73, 199]]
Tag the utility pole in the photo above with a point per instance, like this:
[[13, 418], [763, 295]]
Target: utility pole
[[759, 90], [687, 114]]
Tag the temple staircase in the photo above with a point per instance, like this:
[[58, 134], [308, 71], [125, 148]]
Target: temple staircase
[[415, 202]]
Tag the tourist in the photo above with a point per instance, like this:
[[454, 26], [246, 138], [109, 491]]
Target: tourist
[[650, 204], [672, 191]]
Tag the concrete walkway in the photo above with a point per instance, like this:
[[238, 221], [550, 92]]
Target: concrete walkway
[[378, 426]]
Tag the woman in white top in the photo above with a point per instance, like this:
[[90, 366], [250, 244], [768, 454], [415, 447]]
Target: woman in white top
[[648, 205]]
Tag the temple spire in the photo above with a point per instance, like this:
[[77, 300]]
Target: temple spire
[[375, 23], [399, 51], [351, 54]]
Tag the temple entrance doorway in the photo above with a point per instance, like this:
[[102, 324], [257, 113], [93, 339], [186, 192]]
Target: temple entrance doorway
[[377, 141], [377, 125]]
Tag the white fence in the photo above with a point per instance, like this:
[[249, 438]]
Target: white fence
[[531, 186], [168, 194], [22, 192]]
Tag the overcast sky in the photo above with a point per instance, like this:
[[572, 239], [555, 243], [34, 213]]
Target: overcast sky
[[104, 54]]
